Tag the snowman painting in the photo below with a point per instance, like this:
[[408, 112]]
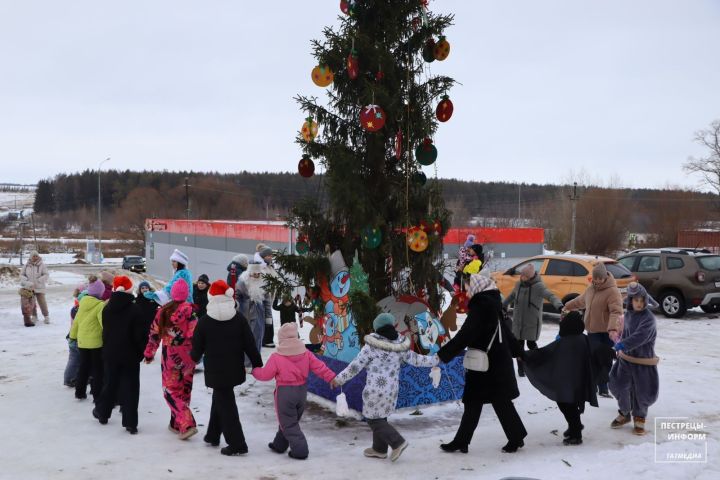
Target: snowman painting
[[429, 331]]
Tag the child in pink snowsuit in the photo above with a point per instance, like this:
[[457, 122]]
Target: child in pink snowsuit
[[174, 325], [290, 368]]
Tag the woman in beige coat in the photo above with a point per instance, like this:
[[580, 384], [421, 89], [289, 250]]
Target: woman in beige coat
[[34, 276], [603, 305]]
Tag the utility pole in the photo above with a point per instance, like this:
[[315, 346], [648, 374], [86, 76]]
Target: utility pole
[[519, 190], [100, 212], [573, 198], [32, 219], [187, 199]]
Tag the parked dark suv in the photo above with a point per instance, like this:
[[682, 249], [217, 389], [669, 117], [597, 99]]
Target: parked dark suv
[[678, 278], [133, 263]]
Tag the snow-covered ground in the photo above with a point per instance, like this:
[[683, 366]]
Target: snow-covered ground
[[49, 434], [55, 259]]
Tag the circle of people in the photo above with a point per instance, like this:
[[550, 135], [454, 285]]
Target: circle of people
[[220, 327]]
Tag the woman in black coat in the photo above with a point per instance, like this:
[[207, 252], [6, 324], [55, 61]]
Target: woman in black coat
[[497, 386], [223, 337]]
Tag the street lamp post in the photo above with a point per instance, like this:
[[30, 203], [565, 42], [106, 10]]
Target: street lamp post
[[100, 211]]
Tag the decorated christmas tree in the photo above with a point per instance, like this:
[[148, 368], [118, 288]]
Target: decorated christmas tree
[[372, 134]]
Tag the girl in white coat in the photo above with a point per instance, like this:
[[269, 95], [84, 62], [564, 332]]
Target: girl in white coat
[[382, 356]]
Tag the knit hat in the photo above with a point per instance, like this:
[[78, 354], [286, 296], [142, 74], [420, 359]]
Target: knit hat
[[241, 259], [179, 257], [96, 289], [179, 291], [203, 278], [469, 241], [528, 270], [383, 320], [599, 271], [34, 253], [220, 287], [572, 324], [144, 283], [260, 246], [288, 342], [264, 252], [107, 277], [121, 283], [634, 289]]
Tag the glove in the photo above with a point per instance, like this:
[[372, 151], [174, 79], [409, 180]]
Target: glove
[[436, 375], [619, 347], [557, 337]]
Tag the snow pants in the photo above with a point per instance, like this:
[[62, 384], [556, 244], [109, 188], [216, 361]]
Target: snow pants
[[177, 380], [91, 365], [122, 386], [384, 434], [224, 419], [601, 338], [72, 365], [634, 386], [289, 406]]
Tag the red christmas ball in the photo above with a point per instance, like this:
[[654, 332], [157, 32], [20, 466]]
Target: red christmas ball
[[306, 167], [372, 118], [444, 110], [379, 75]]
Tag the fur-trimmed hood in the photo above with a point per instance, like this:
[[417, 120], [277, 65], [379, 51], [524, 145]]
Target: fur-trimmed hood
[[378, 341], [221, 307]]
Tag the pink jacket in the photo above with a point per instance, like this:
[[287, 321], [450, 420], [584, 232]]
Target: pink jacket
[[293, 369]]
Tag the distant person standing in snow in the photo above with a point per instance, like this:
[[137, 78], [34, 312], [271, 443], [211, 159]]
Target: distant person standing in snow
[[200, 295], [34, 277], [86, 330], [264, 255]]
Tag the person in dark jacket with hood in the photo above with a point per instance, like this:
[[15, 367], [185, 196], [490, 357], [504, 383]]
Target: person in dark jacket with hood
[[288, 309], [562, 371], [483, 327], [223, 337], [200, 294], [124, 339]]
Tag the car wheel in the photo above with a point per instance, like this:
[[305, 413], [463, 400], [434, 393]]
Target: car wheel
[[715, 308], [672, 304]]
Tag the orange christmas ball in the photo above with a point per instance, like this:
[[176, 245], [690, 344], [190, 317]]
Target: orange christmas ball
[[322, 76]]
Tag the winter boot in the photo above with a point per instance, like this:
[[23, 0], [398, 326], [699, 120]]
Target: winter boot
[[372, 453], [187, 433], [296, 457], [639, 428], [131, 430], [398, 451], [512, 447], [102, 420], [620, 420], [211, 442], [47, 319], [232, 451], [572, 441], [453, 447], [566, 433], [29, 323], [173, 429]]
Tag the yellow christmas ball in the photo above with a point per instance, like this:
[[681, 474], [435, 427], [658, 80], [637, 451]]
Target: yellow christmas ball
[[309, 130]]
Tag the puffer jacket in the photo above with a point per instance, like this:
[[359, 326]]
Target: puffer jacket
[[292, 369], [527, 315], [34, 276], [87, 326], [603, 306]]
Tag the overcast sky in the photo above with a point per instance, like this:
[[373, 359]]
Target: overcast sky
[[609, 87]]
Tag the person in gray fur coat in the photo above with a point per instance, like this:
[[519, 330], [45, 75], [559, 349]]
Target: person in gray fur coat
[[382, 356], [528, 296], [253, 302]]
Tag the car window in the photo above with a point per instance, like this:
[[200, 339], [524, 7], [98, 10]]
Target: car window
[[649, 264], [537, 263], [559, 267], [673, 263], [711, 262], [579, 270], [618, 270], [627, 262]]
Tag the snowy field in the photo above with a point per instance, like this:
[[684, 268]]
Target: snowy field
[[55, 259], [47, 434]]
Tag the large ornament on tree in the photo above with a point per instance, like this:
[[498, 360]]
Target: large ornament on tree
[[417, 239], [426, 153], [441, 49], [419, 177], [301, 246], [322, 76], [306, 167], [372, 118], [309, 130], [444, 110], [371, 237], [428, 52], [347, 6], [353, 67]]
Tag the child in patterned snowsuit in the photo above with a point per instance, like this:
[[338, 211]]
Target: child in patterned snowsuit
[[382, 356], [174, 325], [290, 368]]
